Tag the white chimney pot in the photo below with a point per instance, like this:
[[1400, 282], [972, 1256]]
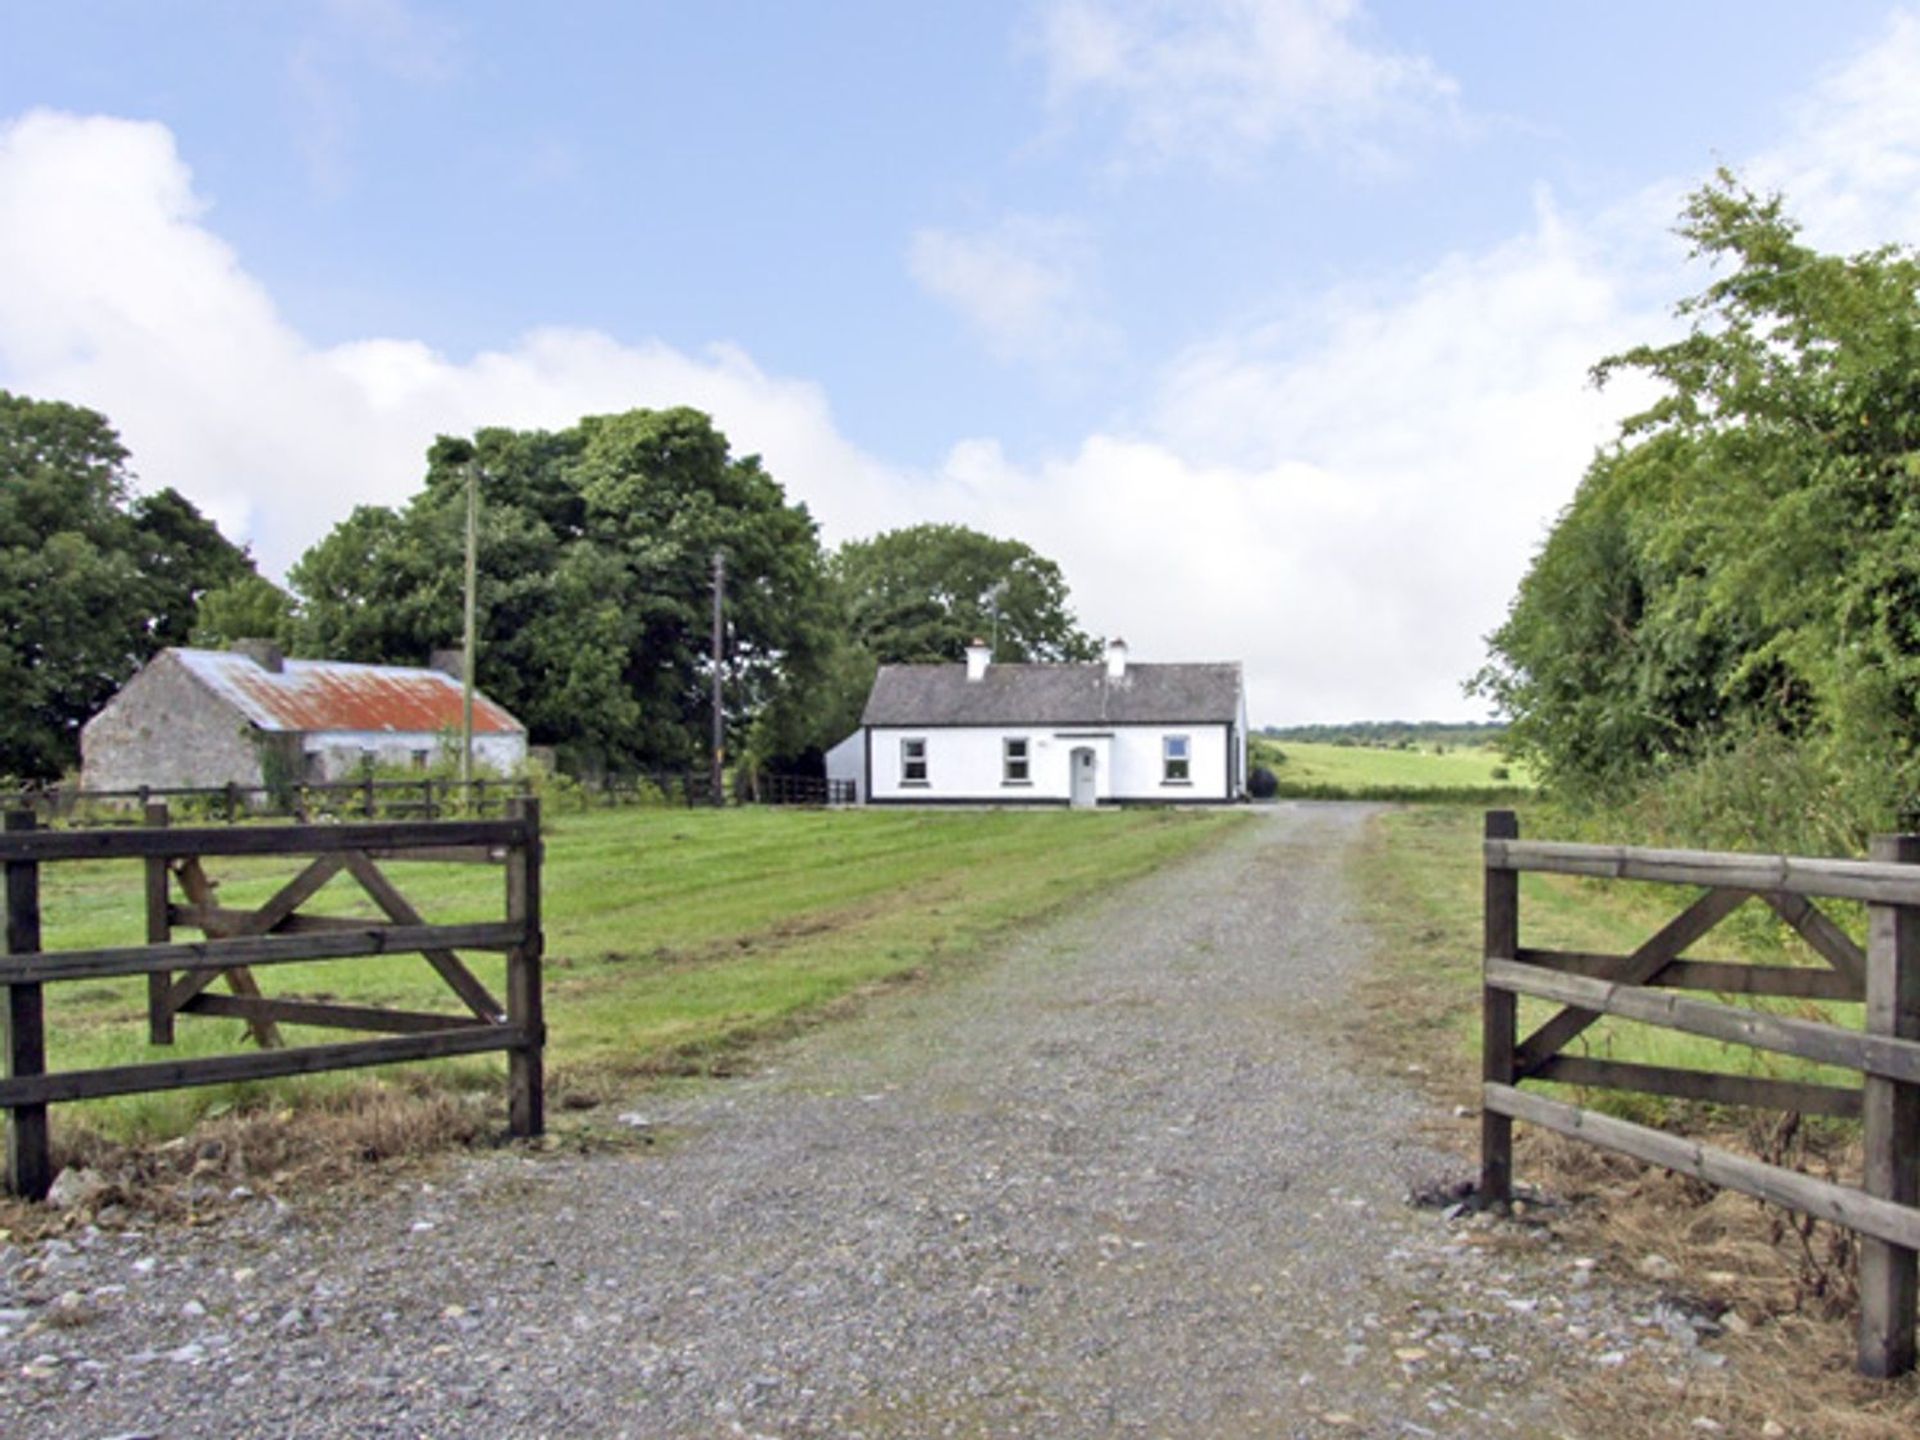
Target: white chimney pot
[[1116, 659], [978, 654]]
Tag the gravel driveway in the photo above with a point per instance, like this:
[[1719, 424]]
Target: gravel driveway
[[1117, 1180]]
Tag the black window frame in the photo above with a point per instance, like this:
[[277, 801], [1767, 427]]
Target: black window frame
[[1008, 760], [1183, 775], [908, 760]]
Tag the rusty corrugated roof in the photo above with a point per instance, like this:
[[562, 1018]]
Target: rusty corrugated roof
[[320, 695]]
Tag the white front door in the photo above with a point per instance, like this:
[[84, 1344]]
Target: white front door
[[1086, 775]]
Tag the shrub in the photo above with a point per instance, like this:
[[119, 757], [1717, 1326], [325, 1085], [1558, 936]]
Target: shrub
[[1262, 784]]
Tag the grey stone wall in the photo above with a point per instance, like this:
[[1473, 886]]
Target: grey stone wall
[[165, 729]]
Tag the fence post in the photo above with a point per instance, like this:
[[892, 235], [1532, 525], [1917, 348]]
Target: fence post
[[233, 803], [1499, 1011], [29, 1155], [1890, 1124], [526, 1082], [366, 795], [159, 932]]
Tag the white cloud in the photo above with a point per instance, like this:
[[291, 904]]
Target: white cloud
[[121, 298], [1024, 287], [398, 38], [1222, 80], [1344, 500], [351, 37], [1851, 168]]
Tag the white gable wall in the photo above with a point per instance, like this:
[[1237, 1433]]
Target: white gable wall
[[847, 763], [966, 762], [343, 754]]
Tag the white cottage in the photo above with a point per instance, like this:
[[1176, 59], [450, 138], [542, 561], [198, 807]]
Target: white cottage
[[1108, 733]]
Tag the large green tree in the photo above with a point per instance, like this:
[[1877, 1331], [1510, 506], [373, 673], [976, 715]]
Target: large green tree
[[93, 579], [1745, 559], [918, 595], [596, 547]]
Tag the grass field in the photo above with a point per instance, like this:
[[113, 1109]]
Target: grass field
[[1311, 770], [673, 936]]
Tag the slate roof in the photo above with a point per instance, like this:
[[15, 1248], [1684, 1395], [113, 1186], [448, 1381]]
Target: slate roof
[[1054, 695], [322, 695]]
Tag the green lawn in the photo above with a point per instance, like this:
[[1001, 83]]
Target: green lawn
[[1420, 880], [673, 936], [1329, 771]]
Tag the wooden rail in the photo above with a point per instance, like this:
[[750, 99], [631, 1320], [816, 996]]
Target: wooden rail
[[180, 973], [426, 798], [1884, 1209]]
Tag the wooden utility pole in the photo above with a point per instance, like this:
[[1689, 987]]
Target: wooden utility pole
[[719, 710], [466, 653]]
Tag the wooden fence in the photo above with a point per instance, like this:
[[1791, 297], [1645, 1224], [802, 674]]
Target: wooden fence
[[1884, 1210], [180, 974], [427, 798]]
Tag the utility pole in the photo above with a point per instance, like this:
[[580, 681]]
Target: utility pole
[[467, 657], [719, 711], [995, 594]]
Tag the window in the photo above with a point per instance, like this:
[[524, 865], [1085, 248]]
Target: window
[[420, 759], [1013, 762], [913, 761], [1174, 756]]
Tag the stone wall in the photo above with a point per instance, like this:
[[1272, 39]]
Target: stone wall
[[165, 729]]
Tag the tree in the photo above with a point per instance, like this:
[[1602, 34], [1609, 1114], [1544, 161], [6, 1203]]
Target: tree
[[595, 553], [919, 595], [92, 579], [1745, 559], [182, 556], [251, 607]]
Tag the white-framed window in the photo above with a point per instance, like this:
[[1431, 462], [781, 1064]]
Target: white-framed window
[[1176, 756], [913, 760], [1014, 761]]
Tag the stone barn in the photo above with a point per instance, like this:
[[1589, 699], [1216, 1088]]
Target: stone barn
[[249, 716]]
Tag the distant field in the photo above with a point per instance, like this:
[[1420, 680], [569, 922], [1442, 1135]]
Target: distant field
[[673, 936], [1314, 769]]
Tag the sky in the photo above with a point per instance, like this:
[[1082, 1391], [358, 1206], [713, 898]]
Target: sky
[[1269, 320]]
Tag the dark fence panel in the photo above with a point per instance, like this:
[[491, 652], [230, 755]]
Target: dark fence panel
[[235, 940]]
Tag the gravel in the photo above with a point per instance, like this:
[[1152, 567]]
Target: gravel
[[1117, 1179]]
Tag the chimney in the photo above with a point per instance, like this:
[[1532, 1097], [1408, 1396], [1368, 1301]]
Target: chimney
[[978, 654], [264, 653], [1116, 659], [449, 662]]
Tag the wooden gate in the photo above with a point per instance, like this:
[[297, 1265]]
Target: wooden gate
[[1645, 987], [180, 974]]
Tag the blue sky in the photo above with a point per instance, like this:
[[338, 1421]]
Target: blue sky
[[1268, 318]]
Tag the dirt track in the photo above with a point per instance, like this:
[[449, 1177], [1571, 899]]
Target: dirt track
[[1116, 1180]]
